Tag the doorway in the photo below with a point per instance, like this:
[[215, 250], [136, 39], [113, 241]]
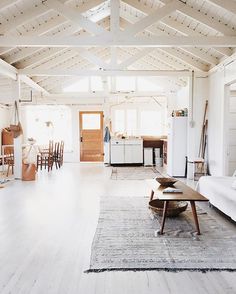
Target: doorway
[[230, 130], [91, 136]]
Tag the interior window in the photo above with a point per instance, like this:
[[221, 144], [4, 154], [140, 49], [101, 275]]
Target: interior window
[[131, 122], [125, 83], [150, 123], [119, 124]]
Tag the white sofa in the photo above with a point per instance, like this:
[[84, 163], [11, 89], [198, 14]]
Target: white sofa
[[220, 193]]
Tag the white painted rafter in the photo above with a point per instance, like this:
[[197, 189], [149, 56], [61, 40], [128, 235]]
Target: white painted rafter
[[97, 41], [76, 17], [187, 60], [47, 27], [115, 17], [229, 5], [92, 58], [7, 70], [196, 52], [55, 53], [23, 18], [25, 52], [7, 3], [115, 29], [129, 61], [33, 85], [42, 55], [179, 27], [202, 18], [152, 18], [11, 72], [75, 72]]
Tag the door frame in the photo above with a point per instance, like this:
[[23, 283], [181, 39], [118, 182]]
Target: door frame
[[101, 112], [226, 128]]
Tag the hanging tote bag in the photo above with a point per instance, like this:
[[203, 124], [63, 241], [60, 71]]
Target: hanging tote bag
[[16, 128]]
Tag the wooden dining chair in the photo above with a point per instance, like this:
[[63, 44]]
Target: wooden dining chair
[[9, 160], [61, 154], [56, 154], [46, 157]]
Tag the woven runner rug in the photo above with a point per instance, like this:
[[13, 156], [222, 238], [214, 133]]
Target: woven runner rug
[[134, 173], [126, 239]]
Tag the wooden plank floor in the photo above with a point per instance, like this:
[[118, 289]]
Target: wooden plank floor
[[46, 230]]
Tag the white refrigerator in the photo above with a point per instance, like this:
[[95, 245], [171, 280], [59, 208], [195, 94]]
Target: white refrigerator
[[177, 146]]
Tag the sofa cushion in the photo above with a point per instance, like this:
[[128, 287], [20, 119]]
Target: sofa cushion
[[220, 193]]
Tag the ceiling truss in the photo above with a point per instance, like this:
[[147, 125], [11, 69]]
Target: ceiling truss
[[68, 43]]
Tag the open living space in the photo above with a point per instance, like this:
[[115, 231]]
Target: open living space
[[118, 146]]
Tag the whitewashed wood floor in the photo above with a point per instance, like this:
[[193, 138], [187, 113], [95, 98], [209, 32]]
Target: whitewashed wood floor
[[46, 230]]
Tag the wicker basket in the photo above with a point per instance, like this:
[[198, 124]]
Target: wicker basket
[[174, 207]]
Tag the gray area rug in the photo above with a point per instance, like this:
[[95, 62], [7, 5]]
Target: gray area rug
[[134, 173], [125, 239]]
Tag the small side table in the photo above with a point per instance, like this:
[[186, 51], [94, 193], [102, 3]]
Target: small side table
[[199, 168]]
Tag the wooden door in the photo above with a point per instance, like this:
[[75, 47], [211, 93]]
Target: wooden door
[[91, 136]]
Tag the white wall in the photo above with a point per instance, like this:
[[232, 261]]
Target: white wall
[[216, 122], [182, 98], [5, 117], [195, 103], [196, 114]]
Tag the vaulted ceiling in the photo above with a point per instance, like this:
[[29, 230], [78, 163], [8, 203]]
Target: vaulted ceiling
[[50, 42]]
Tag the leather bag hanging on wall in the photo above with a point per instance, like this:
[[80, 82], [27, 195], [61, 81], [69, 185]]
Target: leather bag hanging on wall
[[16, 128]]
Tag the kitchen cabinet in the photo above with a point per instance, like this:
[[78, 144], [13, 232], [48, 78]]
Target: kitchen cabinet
[[126, 151], [117, 151]]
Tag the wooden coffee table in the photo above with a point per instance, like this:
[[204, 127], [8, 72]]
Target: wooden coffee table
[[188, 195]]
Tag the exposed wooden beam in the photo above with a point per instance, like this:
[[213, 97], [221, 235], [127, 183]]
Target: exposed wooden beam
[[33, 85], [11, 72], [8, 70], [115, 16], [208, 21], [177, 26], [41, 58], [74, 72], [185, 59], [7, 3], [152, 18], [194, 14], [229, 5], [92, 58], [45, 55], [23, 53], [196, 52], [47, 27], [76, 17], [103, 93], [96, 41], [129, 61], [115, 29], [23, 18]]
